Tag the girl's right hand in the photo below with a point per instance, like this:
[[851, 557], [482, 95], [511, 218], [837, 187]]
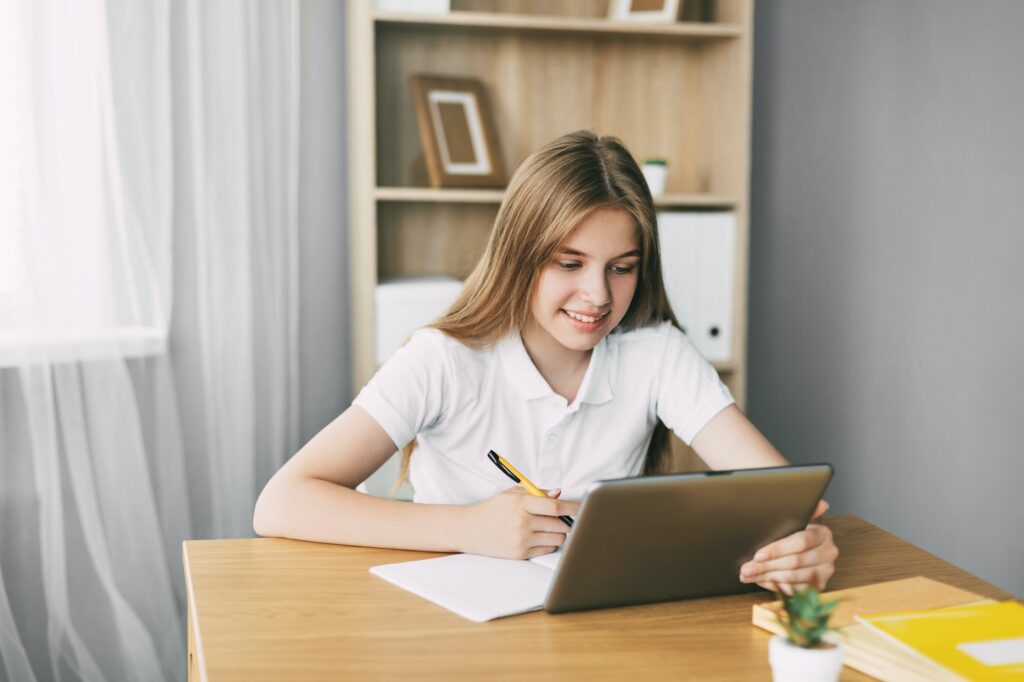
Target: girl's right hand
[[517, 525]]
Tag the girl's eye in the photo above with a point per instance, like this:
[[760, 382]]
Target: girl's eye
[[616, 269]]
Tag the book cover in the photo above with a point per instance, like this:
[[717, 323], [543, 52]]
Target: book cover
[[976, 641]]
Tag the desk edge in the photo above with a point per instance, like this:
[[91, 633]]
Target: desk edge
[[193, 619]]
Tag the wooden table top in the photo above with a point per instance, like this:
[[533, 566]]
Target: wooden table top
[[272, 609]]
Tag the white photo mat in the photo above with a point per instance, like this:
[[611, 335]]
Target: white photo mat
[[467, 100]]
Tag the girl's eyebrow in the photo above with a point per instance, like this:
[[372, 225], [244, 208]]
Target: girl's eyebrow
[[574, 252]]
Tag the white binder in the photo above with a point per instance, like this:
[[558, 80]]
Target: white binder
[[698, 252], [403, 306]]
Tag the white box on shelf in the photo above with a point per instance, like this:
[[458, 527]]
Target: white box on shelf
[[405, 305], [698, 259]]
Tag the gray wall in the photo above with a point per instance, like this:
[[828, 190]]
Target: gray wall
[[886, 322], [324, 318], [325, 364]]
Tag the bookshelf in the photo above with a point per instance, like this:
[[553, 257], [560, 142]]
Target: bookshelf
[[681, 91]]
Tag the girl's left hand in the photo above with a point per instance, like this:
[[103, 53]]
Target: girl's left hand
[[807, 557]]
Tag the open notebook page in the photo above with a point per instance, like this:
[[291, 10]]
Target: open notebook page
[[479, 588]]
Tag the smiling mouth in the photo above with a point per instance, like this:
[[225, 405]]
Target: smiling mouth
[[587, 319]]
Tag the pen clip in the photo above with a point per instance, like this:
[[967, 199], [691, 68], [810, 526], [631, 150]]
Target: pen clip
[[496, 458]]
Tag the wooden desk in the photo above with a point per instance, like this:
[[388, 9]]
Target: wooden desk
[[269, 609]]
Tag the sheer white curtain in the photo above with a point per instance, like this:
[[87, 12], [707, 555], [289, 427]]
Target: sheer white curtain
[[237, 134], [139, 140]]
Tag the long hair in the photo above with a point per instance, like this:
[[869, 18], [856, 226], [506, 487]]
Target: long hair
[[553, 190]]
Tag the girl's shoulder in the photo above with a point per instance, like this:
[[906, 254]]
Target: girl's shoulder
[[433, 344], [652, 346]]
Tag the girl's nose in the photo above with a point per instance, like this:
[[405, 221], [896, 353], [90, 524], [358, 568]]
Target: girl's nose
[[595, 289]]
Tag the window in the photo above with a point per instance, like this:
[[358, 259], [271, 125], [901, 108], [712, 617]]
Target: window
[[79, 268]]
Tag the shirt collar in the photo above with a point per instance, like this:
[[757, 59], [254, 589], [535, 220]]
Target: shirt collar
[[596, 387]]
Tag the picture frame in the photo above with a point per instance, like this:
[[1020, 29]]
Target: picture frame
[[647, 11], [457, 132]]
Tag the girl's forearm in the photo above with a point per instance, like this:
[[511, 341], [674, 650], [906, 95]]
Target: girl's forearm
[[321, 511]]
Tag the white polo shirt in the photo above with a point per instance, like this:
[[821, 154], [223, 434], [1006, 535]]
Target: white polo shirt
[[459, 403]]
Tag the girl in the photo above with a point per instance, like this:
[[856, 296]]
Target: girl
[[561, 354]]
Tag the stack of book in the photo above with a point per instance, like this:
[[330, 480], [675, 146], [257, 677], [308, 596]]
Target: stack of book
[[919, 629]]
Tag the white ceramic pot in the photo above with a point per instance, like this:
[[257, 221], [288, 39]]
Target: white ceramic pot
[[791, 663], [656, 175]]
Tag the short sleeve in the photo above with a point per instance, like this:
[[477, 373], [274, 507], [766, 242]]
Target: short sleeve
[[407, 394], [689, 391]]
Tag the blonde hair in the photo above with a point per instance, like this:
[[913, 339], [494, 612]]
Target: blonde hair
[[553, 190]]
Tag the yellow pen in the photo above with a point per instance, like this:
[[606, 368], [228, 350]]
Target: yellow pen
[[514, 474]]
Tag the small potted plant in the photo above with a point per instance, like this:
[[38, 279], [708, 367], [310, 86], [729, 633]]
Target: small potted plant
[[804, 653], [655, 170]]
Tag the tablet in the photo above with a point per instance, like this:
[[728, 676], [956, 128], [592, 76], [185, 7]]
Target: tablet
[[679, 536]]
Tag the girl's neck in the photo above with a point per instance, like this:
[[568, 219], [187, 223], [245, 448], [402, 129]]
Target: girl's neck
[[563, 368]]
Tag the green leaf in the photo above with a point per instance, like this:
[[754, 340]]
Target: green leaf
[[806, 616]]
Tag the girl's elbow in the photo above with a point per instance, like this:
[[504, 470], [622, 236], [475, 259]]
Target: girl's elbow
[[263, 515]]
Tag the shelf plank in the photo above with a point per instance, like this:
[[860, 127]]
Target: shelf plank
[[494, 196], [525, 22], [430, 194], [695, 201], [724, 367]]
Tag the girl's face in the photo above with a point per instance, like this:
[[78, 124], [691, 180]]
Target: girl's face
[[586, 290]]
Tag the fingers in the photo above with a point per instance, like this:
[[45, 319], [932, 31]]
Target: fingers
[[798, 542], [542, 539], [547, 524], [805, 558], [799, 578], [547, 506], [786, 588], [820, 510], [538, 551], [789, 588], [519, 489], [824, 553]]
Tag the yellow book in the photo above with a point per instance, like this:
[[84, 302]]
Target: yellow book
[[867, 650], [975, 642]]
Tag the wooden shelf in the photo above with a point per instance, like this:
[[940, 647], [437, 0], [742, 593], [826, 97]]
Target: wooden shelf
[[524, 22], [680, 91], [494, 196]]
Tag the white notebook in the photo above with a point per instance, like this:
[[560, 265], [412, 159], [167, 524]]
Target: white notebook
[[479, 588]]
